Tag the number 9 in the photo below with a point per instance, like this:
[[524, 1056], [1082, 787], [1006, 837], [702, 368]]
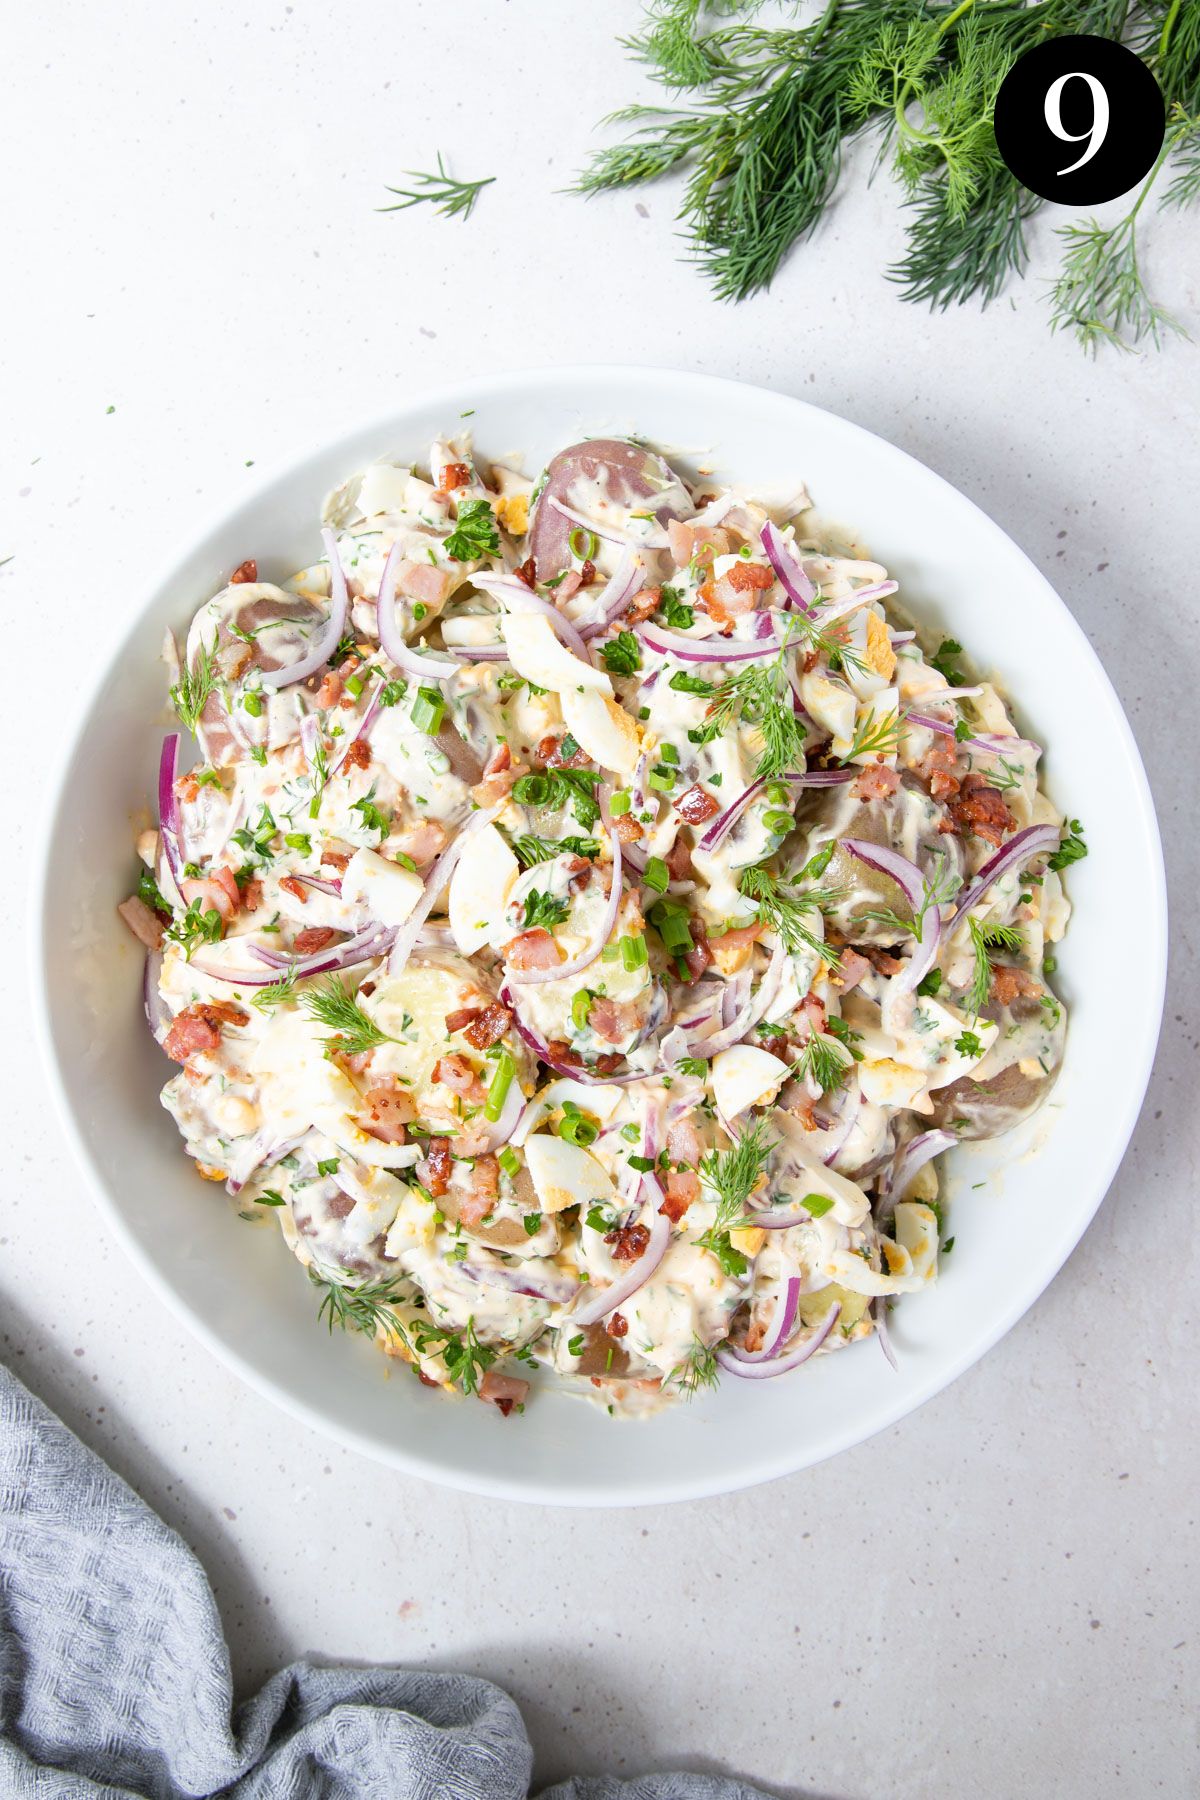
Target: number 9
[[1096, 132]]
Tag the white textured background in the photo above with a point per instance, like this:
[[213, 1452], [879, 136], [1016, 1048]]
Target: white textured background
[[997, 1597]]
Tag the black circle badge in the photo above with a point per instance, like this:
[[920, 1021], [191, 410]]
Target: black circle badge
[[1079, 120]]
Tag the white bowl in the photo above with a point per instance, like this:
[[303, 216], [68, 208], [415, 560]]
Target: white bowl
[[238, 1288]]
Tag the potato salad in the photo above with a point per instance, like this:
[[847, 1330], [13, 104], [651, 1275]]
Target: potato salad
[[583, 915]]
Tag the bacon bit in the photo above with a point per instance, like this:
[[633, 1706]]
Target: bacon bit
[[982, 810], [489, 1026], [464, 1016], [360, 1062], [527, 572], [336, 859], [682, 1187], [609, 1063], [628, 1242], [358, 754], [617, 1326], [683, 1143], [695, 542], [454, 475], [936, 770], [143, 921], [553, 756], [295, 888], [756, 1332], [188, 787], [427, 1380], [330, 690], [877, 782], [747, 577], [588, 573], [456, 1073], [504, 1391], [437, 1166], [534, 949], [252, 895], [815, 1011], [198, 1027], [696, 806], [389, 1109], [853, 968], [678, 860], [217, 891], [810, 661], [646, 601], [421, 581], [499, 775], [1008, 984], [245, 571], [570, 584], [882, 960], [313, 937], [700, 957], [612, 1020], [422, 841], [474, 1208], [628, 829]]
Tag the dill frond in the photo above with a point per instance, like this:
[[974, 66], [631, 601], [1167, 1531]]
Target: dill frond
[[441, 191]]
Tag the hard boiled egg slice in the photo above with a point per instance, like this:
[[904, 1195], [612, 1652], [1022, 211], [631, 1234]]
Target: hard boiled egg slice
[[602, 728], [917, 1232], [745, 1076], [535, 653], [479, 888], [388, 892], [564, 1175]]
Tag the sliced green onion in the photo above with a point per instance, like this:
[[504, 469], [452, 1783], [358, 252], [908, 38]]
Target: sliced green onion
[[584, 544], [429, 709], [656, 875], [581, 1006], [633, 952], [497, 1093], [778, 823], [509, 1161], [575, 1129], [620, 803]]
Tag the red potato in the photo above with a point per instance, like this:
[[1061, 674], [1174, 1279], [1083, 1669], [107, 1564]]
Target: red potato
[[632, 476]]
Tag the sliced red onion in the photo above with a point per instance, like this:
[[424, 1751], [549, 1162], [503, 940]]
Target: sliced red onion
[[915, 1154], [783, 1323], [743, 1366], [391, 638], [330, 636], [599, 1304], [879, 1314], [158, 1013], [781, 1218], [750, 1012], [712, 650], [1030, 842], [789, 572], [618, 591], [482, 652], [989, 744], [364, 946], [887, 862], [577, 518], [575, 964], [555, 1288], [168, 806], [838, 609], [320, 885], [541, 1049], [435, 881], [817, 778]]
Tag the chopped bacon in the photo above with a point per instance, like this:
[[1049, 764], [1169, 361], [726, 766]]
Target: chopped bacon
[[464, 1016], [628, 1242], [815, 1010], [609, 1063], [422, 841], [456, 1073], [628, 829], [485, 1191], [389, 1110], [296, 888], [570, 584], [732, 943], [882, 960], [936, 770], [1008, 984], [853, 968], [358, 754], [335, 859], [198, 1027], [313, 937], [454, 475], [218, 891], [683, 1143], [360, 1062], [527, 572], [749, 577], [437, 1166], [696, 806], [613, 1020], [679, 860], [143, 921], [700, 956], [252, 895], [245, 571], [695, 542], [877, 782], [646, 601], [421, 581], [330, 690], [534, 949], [982, 810], [587, 573], [504, 1391], [617, 1326], [500, 772], [682, 1187], [550, 752], [809, 661], [489, 1026]]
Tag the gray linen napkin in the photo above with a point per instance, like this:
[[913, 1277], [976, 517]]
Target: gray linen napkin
[[115, 1679]]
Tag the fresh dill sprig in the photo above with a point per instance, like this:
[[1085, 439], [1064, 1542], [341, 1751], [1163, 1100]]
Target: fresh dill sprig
[[825, 1060], [441, 191], [190, 694], [941, 885], [733, 1175], [876, 735], [783, 909], [279, 993], [984, 939], [358, 1306], [529, 849], [761, 695], [355, 1033], [699, 1369]]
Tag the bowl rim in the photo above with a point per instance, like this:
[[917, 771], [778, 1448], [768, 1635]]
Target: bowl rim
[[644, 1491]]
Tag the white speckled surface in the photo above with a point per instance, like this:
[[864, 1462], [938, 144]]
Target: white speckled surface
[[999, 1595]]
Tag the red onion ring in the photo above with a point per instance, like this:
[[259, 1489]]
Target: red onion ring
[[584, 959], [751, 1010], [601, 531], [818, 778], [619, 590], [915, 1154], [879, 1314], [780, 1365], [335, 624], [555, 1289], [990, 744], [789, 573], [435, 881], [712, 650], [364, 946], [839, 609], [908, 877], [1030, 842], [598, 1305], [391, 639], [787, 1311], [168, 806]]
